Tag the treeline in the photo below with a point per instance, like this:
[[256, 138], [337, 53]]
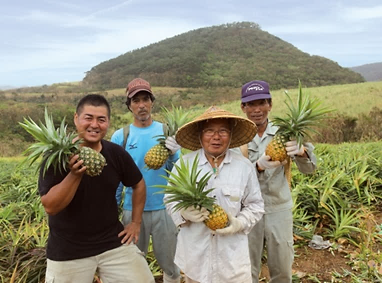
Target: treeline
[[218, 56], [14, 140]]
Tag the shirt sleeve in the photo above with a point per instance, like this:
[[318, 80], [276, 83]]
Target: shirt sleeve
[[307, 165], [116, 138], [252, 202]]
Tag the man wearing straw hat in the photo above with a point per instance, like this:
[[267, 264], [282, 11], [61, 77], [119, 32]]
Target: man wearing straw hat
[[221, 256], [276, 226]]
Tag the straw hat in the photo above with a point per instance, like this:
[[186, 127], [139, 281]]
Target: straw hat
[[243, 132]]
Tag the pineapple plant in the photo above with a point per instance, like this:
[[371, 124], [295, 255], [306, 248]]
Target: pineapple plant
[[301, 120], [56, 147], [157, 156], [186, 189]]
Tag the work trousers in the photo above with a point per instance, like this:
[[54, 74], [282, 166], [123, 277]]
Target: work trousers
[[159, 225], [275, 231], [125, 264]]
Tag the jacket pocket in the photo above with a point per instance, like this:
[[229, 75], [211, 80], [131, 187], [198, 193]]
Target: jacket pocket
[[231, 198]]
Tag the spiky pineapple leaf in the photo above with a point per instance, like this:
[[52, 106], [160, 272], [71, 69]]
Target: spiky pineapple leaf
[[53, 146], [302, 117], [184, 189], [174, 119]]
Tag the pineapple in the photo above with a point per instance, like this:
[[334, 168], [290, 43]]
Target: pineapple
[[55, 147], [217, 219], [157, 156], [186, 190], [301, 120]]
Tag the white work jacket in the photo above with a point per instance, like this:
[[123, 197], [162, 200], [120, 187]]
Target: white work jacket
[[209, 258]]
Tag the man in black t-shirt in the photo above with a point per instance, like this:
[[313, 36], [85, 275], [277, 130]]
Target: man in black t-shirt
[[85, 234]]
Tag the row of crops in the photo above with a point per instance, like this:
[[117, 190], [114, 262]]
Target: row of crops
[[341, 200]]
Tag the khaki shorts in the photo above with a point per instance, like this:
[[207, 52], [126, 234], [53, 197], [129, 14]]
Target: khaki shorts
[[125, 264]]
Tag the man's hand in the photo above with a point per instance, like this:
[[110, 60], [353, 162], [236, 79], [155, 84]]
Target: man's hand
[[265, 162], [235, 226], [195, 214], [172, 145], [131, 232], [293, 148], [76, 166]]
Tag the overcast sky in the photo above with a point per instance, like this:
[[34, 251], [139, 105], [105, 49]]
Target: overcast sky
[[50, 41]]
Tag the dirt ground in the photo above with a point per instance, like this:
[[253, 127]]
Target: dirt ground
[[308, 262], [311, 265]]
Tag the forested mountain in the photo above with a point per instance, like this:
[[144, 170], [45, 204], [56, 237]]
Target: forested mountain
[[225, 55], [371, 72]]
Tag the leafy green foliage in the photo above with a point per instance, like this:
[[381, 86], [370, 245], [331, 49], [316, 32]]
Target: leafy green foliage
[[185, 188], [352, 121], [174, 119], [23, 227], [337, 201], [302, 117], [54, 145], [347, 179], [225, 55]]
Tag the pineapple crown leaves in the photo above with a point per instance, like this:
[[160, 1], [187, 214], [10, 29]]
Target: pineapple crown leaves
[[184, 188], [302, 117], [53, 145], [174, 119]]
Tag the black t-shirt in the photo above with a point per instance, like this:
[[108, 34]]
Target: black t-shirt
[[89, 225]]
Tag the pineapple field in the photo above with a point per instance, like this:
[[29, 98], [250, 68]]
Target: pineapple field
[[341, 201]]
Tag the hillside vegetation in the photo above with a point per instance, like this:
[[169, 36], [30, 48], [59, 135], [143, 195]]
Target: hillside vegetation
[[218, 56], [358, 108], [371, 72]]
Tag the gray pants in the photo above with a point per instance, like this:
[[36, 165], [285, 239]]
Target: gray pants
[[164, 233], [275, 230]]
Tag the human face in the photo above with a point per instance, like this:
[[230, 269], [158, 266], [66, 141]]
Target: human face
[[92, 124], [219, 141], [257, 111], [141, 106]]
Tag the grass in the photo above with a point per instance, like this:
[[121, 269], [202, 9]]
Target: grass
[[349, 99], [332, 202]]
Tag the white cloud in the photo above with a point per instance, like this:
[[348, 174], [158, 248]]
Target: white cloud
[[109, 9], [90, 49], [362, 13], [42, 35]]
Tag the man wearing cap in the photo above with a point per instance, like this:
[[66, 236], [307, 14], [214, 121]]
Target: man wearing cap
[[275, 229], [155, 220], [221, 256]]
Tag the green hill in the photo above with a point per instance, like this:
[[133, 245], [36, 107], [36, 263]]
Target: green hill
[[371, 72], [225, 55]]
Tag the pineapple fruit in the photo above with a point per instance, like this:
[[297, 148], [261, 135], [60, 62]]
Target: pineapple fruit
[[157, 156], [187, 189], [56, 147], [217, 219], [300, 121]]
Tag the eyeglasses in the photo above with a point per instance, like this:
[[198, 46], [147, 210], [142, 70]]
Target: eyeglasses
[[211, 132]]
